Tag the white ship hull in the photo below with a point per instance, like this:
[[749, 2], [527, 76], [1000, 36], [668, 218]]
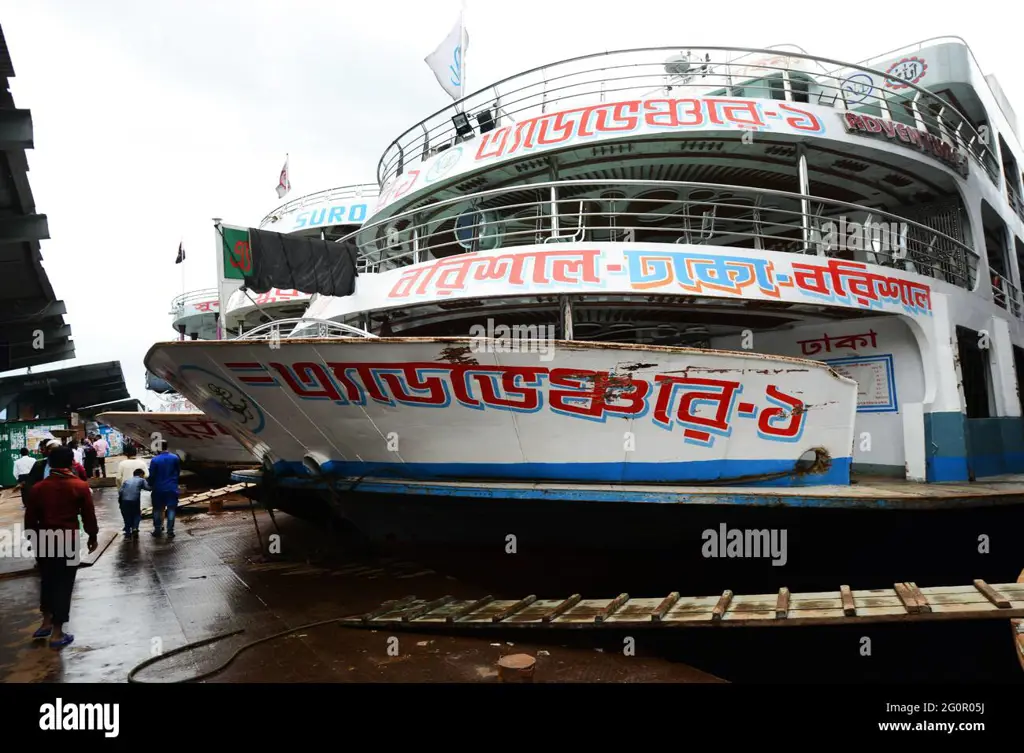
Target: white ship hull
[[200, 439], [453, 408]]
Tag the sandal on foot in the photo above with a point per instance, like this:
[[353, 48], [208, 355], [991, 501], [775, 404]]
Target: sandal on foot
[[63, 641], [42, 633]]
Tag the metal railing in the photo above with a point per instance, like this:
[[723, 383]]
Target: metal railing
[[930, 42], [355, 191], [1007, 295], [303, 327], [178, 303], [611, 77], [638, 211]]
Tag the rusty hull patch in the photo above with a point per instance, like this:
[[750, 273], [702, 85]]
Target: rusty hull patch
[[458, 354], [634, 367]]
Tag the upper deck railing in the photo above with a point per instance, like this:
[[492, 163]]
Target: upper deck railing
[[304, 327], [192, 297], [355, 191], [723, 216], [772, 73]]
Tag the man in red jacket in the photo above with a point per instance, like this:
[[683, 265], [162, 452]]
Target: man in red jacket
[[51, 514]]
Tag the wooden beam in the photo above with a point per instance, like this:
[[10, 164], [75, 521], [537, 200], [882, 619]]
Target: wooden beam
[[463, 611], [562, 608], [430, 606], [909, 602], [782, 605], [666, 604], [387, 606], [922, 601], [849, 609], [722, 606], [612, 608], [517, 607], [992, 595]]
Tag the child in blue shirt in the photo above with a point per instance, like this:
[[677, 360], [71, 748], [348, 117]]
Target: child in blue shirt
[[130, 501]]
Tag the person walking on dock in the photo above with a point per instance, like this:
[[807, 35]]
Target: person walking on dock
[[126, 468], [41, 468], [89, 453], [54, 508], [22, 468], [101, 455], [164, 473], [130, 501]]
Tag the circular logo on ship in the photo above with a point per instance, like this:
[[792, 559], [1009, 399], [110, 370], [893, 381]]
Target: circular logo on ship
[[444, 164], [223, 400], [904, 72], [858, 87]]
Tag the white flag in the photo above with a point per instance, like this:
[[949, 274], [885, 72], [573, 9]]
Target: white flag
[[447, 61], [283, 184]]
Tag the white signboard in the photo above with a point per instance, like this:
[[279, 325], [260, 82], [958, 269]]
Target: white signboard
[[876, 385]]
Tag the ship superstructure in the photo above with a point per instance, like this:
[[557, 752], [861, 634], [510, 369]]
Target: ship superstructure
[[653, 274]]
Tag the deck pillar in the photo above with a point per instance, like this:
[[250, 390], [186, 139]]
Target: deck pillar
[[945, 431]]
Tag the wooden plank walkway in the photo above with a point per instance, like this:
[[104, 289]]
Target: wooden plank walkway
[[905, 602], [204, 496]]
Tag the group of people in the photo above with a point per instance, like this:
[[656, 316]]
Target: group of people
[[92, 455], [58, 500]]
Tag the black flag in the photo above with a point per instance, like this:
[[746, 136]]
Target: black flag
[[181, 253], [309, 265]]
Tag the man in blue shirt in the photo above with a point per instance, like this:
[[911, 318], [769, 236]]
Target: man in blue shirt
[[164, 472]]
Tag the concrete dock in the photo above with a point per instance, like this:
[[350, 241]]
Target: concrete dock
[[153, 595]]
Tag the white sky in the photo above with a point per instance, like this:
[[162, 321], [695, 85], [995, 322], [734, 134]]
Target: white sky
[[152, 118]]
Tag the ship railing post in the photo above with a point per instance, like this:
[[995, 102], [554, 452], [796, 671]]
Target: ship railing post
[[566, 317], [805, 204], [758, 229], [554, 211]]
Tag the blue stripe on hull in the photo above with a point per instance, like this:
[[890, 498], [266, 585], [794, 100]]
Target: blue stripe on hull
[[712, 471]]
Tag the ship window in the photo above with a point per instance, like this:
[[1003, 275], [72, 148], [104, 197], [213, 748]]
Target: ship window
[[975, 373]]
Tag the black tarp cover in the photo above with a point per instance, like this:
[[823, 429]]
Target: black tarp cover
[[309, 265]]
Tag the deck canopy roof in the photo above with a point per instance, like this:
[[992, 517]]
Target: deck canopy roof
[[28, 304]]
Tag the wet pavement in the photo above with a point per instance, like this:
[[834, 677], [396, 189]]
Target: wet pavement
[[149, 596]]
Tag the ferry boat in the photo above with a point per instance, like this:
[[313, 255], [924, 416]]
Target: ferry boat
[[203, 442], [762, 286]]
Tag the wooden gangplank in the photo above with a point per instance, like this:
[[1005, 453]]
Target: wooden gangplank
[[904, 602], [204, 496]]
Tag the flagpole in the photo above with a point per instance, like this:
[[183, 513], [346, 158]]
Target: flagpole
[[181, 245], [462, 44]]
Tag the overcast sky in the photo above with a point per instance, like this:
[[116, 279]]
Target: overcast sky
[[152, 118]]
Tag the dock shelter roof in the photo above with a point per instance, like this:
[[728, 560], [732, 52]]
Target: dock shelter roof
[[27, 301], [59, 392]]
